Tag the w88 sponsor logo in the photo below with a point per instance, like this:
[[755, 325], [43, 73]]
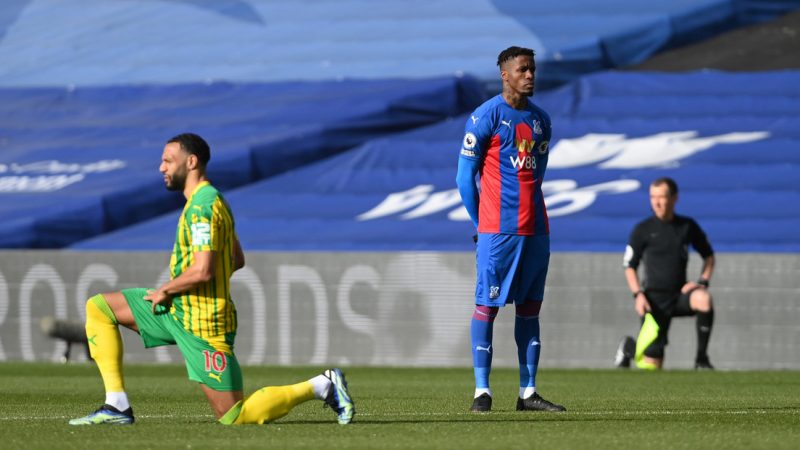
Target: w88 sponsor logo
[[523, 162]]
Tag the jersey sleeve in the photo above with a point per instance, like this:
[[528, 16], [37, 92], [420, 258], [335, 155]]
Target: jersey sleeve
[[467, 188], [477, 135], [202, 226], [634, 249], [699, 240]]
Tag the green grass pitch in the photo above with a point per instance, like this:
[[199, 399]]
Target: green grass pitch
[[413, 408]]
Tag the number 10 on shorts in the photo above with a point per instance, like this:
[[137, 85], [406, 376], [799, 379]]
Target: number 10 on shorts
[[215, 361]]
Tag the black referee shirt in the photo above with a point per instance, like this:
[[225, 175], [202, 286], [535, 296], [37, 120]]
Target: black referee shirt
[[663, 247]]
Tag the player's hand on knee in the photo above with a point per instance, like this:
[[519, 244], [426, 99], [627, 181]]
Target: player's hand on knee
[[161, 300]]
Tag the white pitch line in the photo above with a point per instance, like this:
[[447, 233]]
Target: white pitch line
[[444, 414], [138, 416], [598, 413]]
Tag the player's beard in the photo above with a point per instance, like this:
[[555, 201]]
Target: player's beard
[[529, 92], [177, 181]]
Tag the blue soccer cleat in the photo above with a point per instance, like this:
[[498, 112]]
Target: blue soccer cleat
[[338, 398], [106, 415]]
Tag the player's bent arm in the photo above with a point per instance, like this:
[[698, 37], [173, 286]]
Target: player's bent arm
[[238, 255], [198, 273], [705, 276], [465, 180], [708, 268]]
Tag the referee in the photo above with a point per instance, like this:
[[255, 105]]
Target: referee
[[662, 242]]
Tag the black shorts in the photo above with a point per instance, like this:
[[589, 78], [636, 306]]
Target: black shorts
[[663, 307]]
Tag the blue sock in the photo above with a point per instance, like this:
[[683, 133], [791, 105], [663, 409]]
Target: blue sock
[[481, 329], [526, 334]]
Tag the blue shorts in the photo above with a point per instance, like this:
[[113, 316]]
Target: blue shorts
[[511, 268]]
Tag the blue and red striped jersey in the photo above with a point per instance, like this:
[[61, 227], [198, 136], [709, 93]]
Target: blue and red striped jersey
[[512, 149]]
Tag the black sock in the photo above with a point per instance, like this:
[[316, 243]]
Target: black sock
[[705, 320]]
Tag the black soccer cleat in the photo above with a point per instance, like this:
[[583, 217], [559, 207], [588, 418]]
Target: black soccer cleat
[[625, 352], [482, 403], [536, 403], [702, 363]]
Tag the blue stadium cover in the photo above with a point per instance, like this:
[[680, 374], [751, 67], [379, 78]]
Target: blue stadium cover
[[75, 163], [110, 42], [730, 140]]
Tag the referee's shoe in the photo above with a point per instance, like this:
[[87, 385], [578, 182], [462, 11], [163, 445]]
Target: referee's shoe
[[625, 352], [702, 362]]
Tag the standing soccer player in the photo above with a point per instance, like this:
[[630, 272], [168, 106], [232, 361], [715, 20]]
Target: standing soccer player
[[506, 142], [194, 311]]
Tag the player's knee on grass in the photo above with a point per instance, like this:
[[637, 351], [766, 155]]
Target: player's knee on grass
[[654, 350]]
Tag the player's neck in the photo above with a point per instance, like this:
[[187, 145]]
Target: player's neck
[[515, 100], [667, 217], [191, 184]]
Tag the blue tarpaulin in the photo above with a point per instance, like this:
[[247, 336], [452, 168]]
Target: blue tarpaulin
[[75, 163], [730, 140], [110, 42], [86, 106]]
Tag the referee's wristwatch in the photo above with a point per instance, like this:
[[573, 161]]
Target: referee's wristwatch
[[636, 294]]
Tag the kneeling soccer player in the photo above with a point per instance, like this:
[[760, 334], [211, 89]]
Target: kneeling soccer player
[[194, 311]]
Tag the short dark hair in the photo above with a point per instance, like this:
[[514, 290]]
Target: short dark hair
[[671, 184], [193, 145], [513, 52]]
